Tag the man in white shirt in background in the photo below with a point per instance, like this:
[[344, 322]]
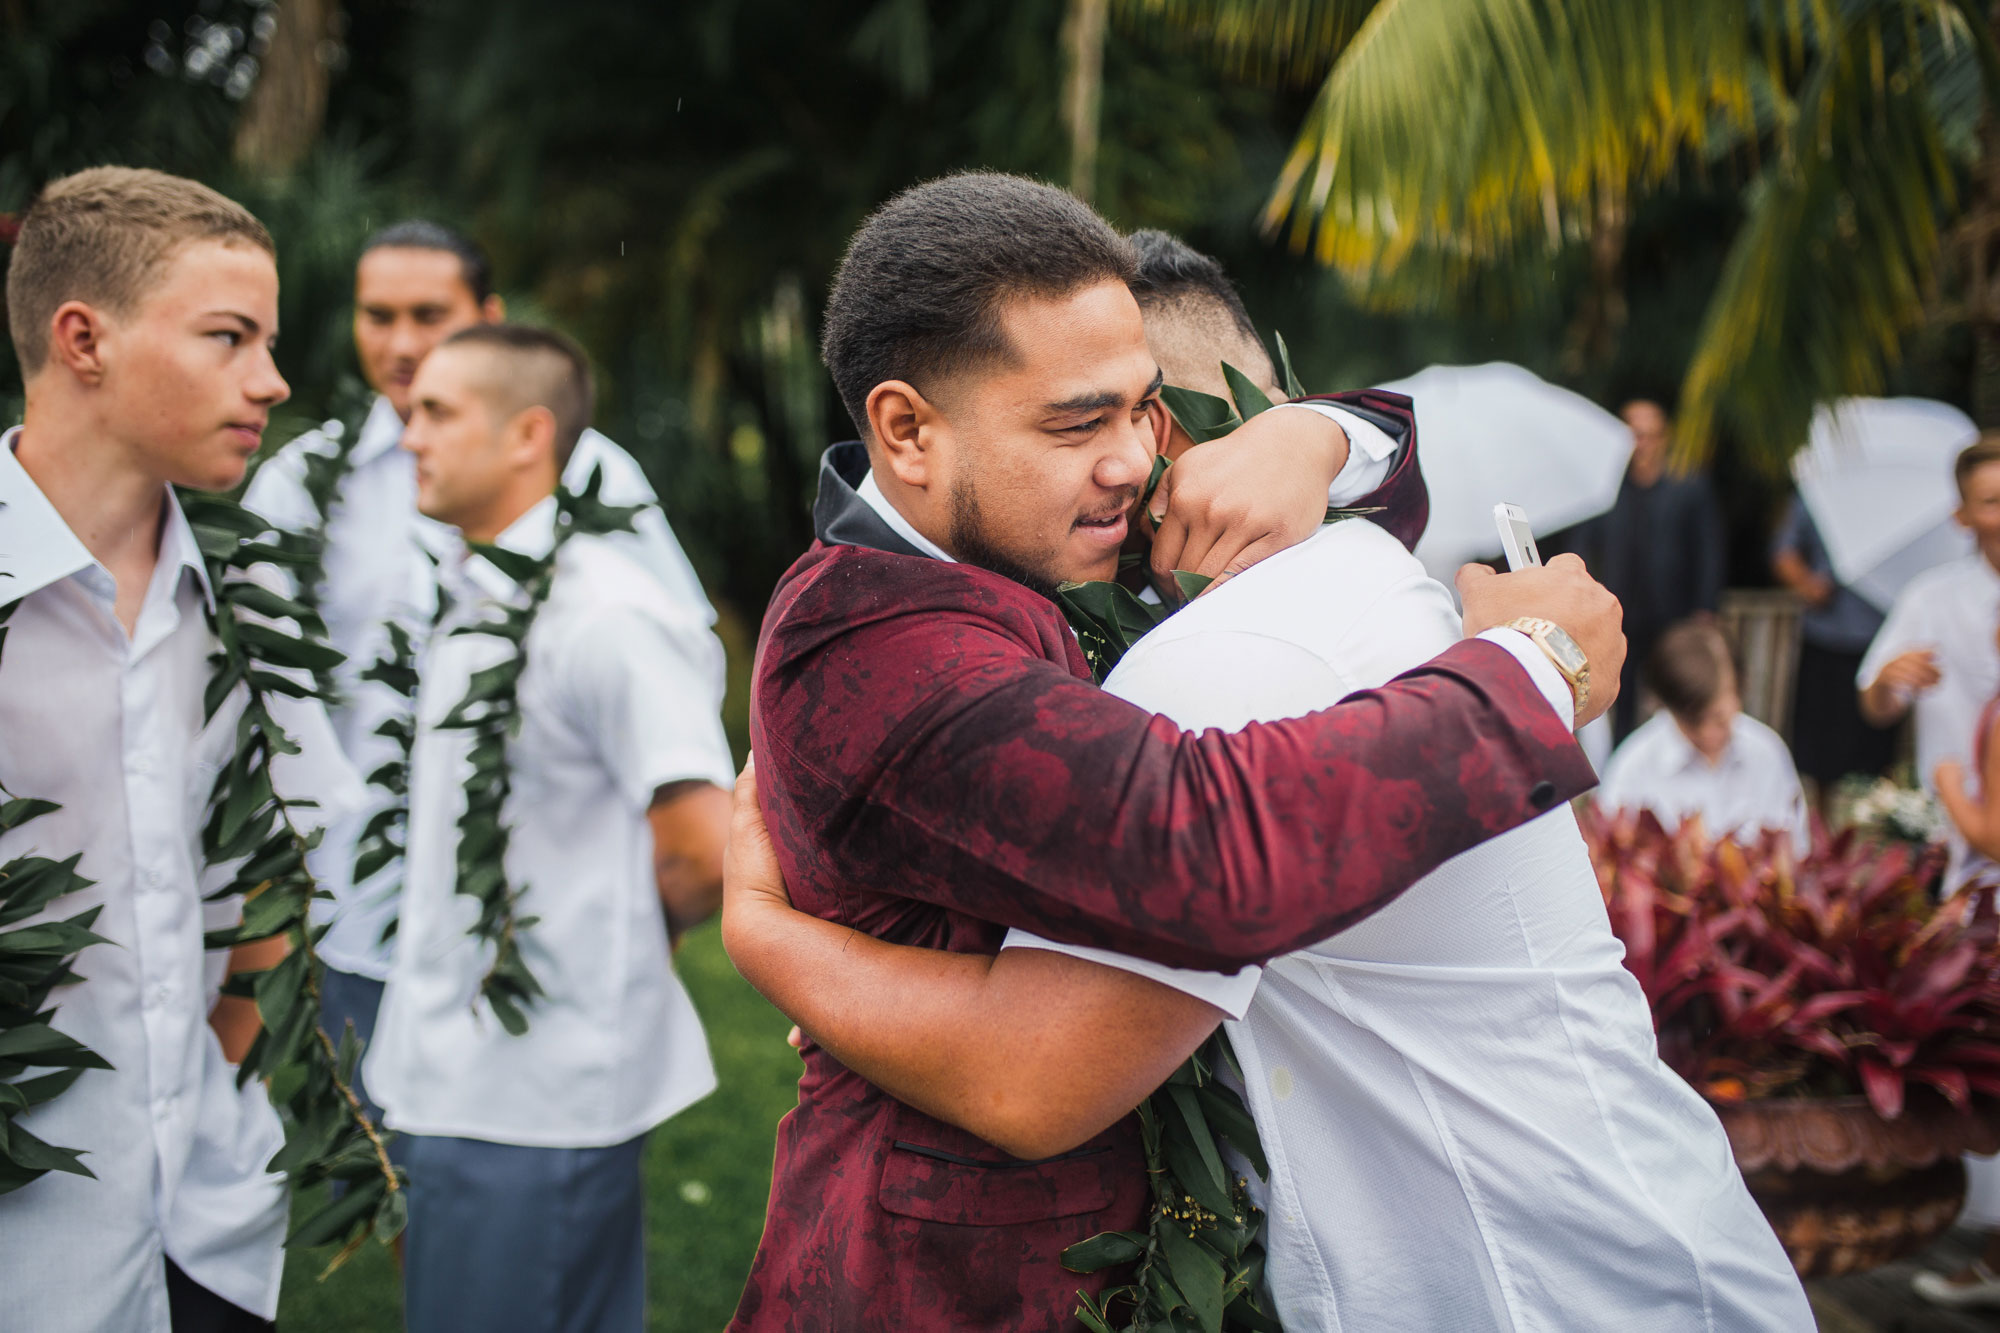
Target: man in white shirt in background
[[416, 284], [524, 1150], [1700, 756], [1935, 657], [143, 309], [1467, 1122]]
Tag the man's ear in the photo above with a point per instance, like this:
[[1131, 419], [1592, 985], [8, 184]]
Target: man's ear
[[76, 341], [493, 310], [905, 425], [531, 439]]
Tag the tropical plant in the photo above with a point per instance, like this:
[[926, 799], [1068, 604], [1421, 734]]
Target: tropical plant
[[1830, 974], [1851, 120]]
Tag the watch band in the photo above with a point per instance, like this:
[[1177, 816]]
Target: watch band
[[1564, 653]]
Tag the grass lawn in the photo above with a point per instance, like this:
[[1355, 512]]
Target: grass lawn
[[708, 1174]]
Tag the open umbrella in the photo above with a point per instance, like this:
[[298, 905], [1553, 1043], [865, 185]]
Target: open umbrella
[[1876, 477], [1497, 432]]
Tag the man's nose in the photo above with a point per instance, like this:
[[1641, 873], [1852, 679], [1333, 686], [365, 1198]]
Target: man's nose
[[1129, 459], [406, 340]]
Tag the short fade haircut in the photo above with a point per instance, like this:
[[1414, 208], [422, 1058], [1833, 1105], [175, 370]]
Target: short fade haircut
[[422, 234], [920, 290], [1173, 273], [1984, 450], [542, 368], [104, 236], [1689, 668]]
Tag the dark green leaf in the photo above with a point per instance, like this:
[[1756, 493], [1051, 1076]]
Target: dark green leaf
[[1250, 400], [1293, 388], [339, 1217], [1197, 1275], [1202, 415], [1104, 1250]]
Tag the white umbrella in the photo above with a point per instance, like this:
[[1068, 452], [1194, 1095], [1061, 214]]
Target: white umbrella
[[1876, 477], [1497, 432]]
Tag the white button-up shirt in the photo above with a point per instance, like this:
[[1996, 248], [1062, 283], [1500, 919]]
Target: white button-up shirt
[[111, 727], [374, 541], [1466, 1117], [1954, 610], [1752, 787], [621, 695]]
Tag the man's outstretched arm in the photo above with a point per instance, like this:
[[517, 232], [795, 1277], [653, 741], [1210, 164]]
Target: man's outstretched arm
[[1033, 1051], [996, 784]]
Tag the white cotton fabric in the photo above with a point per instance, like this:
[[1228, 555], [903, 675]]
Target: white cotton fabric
[[621, 695], [112, 728], [375, 544], [1753, 786], [1467, 1121], [1954, 610]]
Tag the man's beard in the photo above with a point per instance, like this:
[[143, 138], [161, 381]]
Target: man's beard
[[968, 543]]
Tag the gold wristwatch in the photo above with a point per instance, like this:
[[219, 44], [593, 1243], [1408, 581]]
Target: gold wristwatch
[[1562, 650]]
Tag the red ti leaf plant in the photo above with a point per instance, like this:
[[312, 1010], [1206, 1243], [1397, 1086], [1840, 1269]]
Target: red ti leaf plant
[[1827, 975]]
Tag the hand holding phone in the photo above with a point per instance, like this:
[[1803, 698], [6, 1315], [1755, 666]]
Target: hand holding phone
[[1517, 538]]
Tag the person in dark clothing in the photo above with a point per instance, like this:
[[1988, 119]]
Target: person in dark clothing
[[1659, 549], [1830, 738]]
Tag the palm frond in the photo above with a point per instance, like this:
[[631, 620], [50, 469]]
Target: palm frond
[[1838, 256], [1466, 126], [1263, 40]]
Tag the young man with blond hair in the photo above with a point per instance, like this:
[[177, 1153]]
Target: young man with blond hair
[[524, 1146], [143, 309]]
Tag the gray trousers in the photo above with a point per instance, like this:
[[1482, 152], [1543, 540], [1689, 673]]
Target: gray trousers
[[505, 1239]]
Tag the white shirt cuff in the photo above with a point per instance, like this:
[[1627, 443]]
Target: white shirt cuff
[[1371, 454], [1540, 669], [1231, 992]]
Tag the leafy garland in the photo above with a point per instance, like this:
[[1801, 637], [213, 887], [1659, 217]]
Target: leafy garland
[[324, 474], [491, 711], [34, 960], [385, 837], [1200, 1261], [329, 1135]]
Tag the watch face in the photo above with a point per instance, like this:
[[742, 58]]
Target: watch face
[[1568, 656]]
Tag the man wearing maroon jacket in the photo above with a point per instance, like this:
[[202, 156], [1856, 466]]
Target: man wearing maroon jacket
[[936, 764]]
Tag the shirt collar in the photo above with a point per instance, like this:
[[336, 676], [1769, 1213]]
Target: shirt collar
[[1680, 752], [37, 548], [381, 431], [871, 494], [532, 534]]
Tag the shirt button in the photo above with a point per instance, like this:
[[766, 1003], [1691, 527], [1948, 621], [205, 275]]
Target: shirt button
[[1542, 795], [150, 877], [139, 765], [163, 1108]]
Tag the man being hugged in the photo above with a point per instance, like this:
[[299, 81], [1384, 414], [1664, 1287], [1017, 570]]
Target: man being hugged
[[143, 309], [566, 812]]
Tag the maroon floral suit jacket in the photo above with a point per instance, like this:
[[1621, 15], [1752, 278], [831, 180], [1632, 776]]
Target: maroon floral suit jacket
[[936, 766]]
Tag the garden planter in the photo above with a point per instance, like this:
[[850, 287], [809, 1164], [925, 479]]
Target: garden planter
[[1847, 1190]]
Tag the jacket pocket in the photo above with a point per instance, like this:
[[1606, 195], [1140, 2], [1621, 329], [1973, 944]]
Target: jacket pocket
[[935, 1184]]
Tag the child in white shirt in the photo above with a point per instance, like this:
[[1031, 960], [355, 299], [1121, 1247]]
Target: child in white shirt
[[1699, 756]]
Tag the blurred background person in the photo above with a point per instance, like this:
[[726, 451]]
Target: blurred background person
[[1701, 756], [1660, 548], [1830, 738], [416, 283], [524, 1146], [1935, 658]]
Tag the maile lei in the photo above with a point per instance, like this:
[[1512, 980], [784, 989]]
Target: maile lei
[[329, 1135], [1200, 1261], [491, 711]]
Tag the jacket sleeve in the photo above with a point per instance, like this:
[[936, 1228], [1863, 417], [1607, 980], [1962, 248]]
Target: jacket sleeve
[[1009, 790], [1403, 500]]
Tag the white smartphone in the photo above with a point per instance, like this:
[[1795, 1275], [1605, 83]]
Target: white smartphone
[[1517, 539]]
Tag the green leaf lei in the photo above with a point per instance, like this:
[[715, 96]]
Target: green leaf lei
[[329, 1135], [34, 960], [324, 473], [491, 711], [1200, 1261], [385, 837]]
